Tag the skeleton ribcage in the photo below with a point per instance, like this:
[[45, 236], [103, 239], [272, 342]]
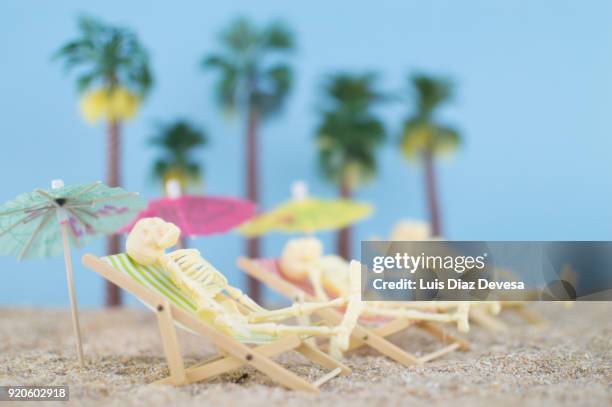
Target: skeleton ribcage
[[194, 275]]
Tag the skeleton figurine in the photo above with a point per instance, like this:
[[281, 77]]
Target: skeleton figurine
[[225, 306], [303, 260], [411, 230]]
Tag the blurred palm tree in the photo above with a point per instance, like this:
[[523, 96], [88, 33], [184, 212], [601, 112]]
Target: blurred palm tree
[[348, 137], [255, 78], [177, 142], [113, 78], [423, 137]]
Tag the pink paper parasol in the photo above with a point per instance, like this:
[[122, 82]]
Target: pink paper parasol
[[198, 215]]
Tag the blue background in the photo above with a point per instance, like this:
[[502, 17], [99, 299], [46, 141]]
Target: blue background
[[533, 101]]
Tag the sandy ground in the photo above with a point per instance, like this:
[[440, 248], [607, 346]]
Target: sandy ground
[[565, 362]]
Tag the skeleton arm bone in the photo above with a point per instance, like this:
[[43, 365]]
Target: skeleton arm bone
[[354, 309], [243, 299], [314, 275], [460, 316]]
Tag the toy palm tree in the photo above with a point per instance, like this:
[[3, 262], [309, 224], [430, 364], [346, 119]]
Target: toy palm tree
[[254, 79], [177, 141], [424, 137], [348, 137], [113, 77]]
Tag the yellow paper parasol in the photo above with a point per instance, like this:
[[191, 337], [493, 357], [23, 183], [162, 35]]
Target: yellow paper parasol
[[307, 215]]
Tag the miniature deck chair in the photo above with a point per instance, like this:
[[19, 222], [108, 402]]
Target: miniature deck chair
[[156, 290], [267, 271]]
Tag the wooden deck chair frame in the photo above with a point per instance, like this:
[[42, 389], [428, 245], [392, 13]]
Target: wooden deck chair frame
[[233, 353], [362, 336]]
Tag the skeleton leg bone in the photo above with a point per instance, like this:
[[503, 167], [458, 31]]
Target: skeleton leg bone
[[460, 316], [294, 310]]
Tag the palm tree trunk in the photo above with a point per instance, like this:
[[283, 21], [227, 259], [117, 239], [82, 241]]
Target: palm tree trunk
[[113, 243], [432, 194], [343, 244], [252, 191]]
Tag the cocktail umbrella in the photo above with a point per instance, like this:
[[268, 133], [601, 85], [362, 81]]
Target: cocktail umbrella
[[198, 215], [304, 214], [44, 223]]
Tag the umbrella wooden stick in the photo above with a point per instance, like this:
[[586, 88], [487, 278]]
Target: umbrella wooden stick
[[72, 294], [63, 220]]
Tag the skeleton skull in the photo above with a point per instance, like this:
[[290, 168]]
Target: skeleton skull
[[299, 255], [335, 277], [411, 230], [149, 238]]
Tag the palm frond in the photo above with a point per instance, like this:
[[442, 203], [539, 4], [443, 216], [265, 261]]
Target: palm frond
[[277, 36], [215, 61], [75, 53], [194, 170], [421, 131], [349, 133], [431, 92], [352, 91], [178, 141], [108, 56], [276, 86], [240, 36], [447, 139], [416, 137], [281, 78], [85, 80], [160, 169], [250, 73], [420, 136], [227, 86]]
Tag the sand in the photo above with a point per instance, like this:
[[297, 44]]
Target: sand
[[568, 361]]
